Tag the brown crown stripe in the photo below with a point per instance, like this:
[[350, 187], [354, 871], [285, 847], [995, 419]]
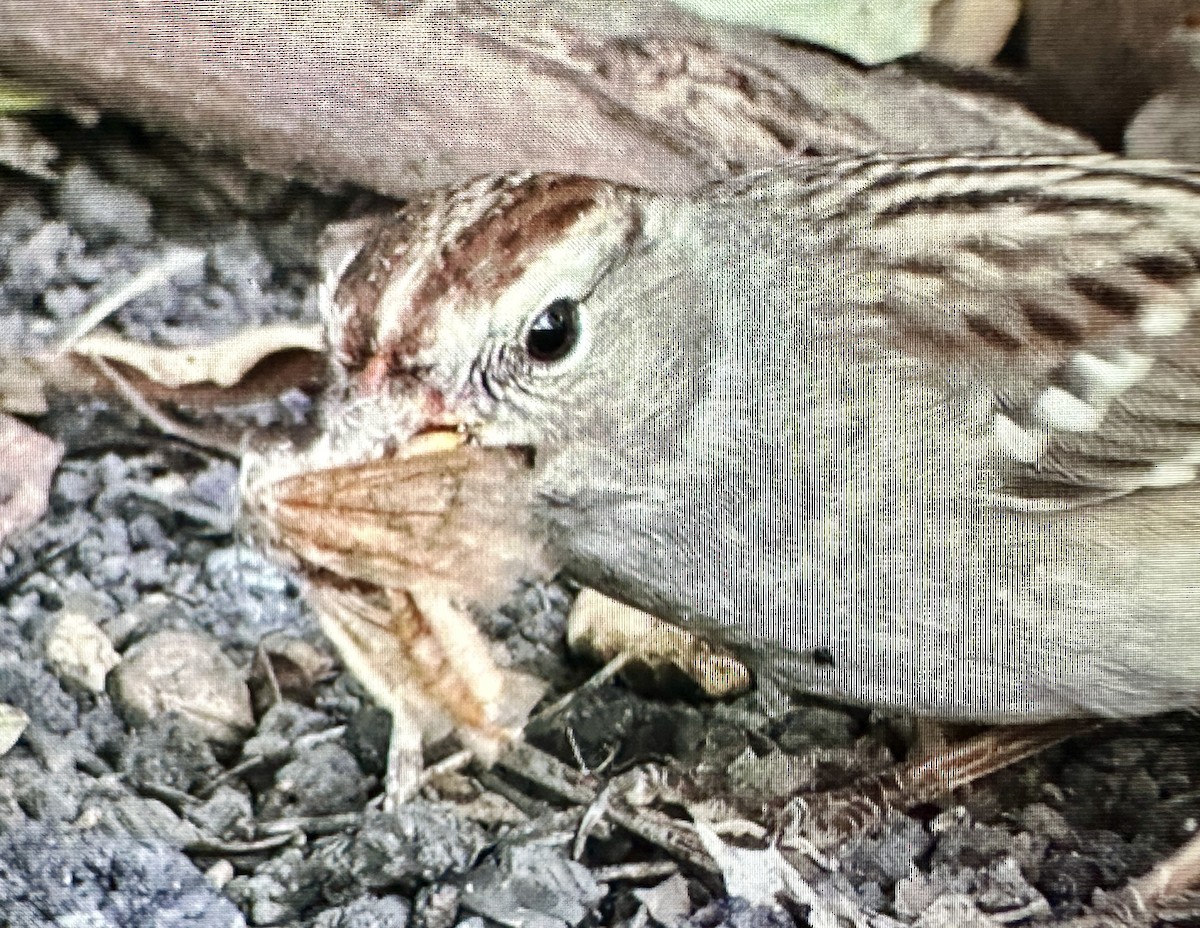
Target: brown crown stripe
[[526, 216], [492, 253], [362, 284], [495, 251]]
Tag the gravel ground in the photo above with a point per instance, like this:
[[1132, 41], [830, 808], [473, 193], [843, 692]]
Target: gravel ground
[[189, 786]]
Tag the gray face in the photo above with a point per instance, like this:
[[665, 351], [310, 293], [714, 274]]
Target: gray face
[[543, 312]]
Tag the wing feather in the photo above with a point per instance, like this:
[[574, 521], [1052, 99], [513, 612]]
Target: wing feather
[[1069, 287]]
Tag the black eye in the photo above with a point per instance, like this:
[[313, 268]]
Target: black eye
[[554, 331]]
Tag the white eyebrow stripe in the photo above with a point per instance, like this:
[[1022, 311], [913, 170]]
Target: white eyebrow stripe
[[397, 297], [585, 251]]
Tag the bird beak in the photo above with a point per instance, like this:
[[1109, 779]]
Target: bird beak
[[434, 438]]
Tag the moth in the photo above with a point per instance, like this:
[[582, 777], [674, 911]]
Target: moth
[[395, 551]]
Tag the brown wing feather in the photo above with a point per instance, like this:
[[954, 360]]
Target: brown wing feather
[[1070, 287]]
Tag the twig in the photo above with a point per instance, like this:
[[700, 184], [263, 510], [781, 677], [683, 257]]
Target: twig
[[173, 263], [310, 824], [211, 845], [601, 676], [636, 872]]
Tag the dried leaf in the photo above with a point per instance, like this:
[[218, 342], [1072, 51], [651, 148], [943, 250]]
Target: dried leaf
[[287, 668], [27, 464], [22, 387], [763, 877], [668, 903], [223, 363]]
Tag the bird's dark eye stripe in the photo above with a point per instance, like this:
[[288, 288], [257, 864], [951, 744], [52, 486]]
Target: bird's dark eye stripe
[[554, 331]]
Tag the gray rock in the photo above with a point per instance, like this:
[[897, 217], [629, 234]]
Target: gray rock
[[167, 752], [421, 842], [34, 265], [226, 815], [531, 885], [216, 485], [186, 673], [323, 781], [278, 891], [26, 685], [57, 877], [369, 912], [51, 798], [148, 820], [734, 912], [437, 906], [889, 856], [78, 652], [13, 723], [102, 212], [65, 301], [279, 728]]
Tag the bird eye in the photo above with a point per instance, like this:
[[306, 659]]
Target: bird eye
[[554, 331]]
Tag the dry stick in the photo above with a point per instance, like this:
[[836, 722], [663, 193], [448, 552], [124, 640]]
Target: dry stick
[[310, 824], [457, 761], [172, 264], [554, 776], [635, 873], [393, 100], [175, 262], [218, 847], [603, 675]]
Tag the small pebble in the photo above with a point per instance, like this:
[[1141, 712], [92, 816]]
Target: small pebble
[[367, 912], [78, 652], [532, 884], [323, 781], [167, 753], [187, 673], [104, 213], [227, 815], [421, 842], [147, 820], [219, 874]]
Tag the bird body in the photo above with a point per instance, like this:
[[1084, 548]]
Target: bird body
[[919, 433]]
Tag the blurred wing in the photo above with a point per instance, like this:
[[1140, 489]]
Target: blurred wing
[[1070, 286]]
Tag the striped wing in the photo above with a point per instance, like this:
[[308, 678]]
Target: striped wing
[[1070, 286]]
